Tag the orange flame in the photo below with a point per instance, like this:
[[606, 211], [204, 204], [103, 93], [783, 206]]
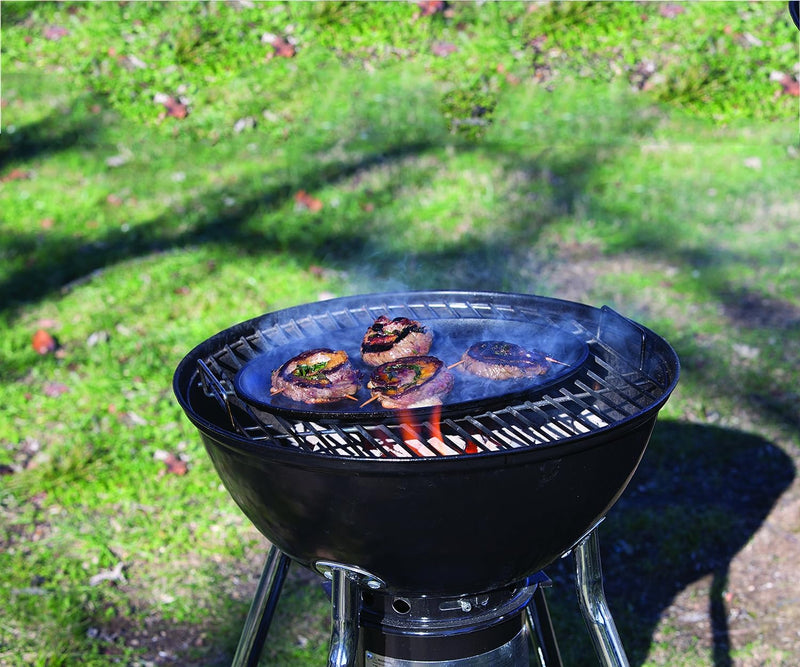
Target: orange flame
[[426, 438]]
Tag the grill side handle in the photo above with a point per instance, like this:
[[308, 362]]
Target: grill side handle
[[627, 338], [631, 341]]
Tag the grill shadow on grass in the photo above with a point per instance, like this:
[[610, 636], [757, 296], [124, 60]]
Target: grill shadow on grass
[[699, 495]]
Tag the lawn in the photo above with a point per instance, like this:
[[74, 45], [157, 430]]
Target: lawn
[[170, 169]]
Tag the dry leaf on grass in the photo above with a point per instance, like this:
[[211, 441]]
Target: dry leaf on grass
[[174, 465], [43, 342], [303, 200]]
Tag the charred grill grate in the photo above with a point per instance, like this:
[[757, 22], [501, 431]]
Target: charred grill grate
[[615, 383]]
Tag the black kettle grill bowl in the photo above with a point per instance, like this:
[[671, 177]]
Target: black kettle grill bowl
[[444, 525]]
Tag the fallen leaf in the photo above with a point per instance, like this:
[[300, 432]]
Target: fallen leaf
[[443, 49], [306, 201], [54, 389], [509, 77], [282, 47], [15, 175], [176, 109], [431, 7], [670, 10], [55, 32], [43, 342], [175, 466], [789, 85]]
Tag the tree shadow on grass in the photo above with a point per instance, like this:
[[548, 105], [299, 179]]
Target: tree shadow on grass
[[699, 495], [344, 241]]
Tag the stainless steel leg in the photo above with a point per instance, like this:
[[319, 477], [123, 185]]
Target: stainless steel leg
[[344, 619], [262, 609], [592, 599], [540, 629]]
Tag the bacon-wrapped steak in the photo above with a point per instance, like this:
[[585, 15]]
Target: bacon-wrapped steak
[[387, 340], [498, 360], [316, 376], [411, 382]]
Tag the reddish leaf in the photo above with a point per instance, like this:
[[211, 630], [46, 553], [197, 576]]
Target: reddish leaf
[[670, 10], [431, 7], [55, 32], [789, 86], [510, 78], [443, 49], [43, 342], [306, 201], [54, 389], [15, 175], [283, 49], [174, 465], [176, 109], [46, 223]]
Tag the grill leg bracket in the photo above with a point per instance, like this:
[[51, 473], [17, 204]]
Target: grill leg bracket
[[262, 609], [593, 604]]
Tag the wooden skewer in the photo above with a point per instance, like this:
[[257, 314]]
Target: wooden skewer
[[458, 363], [275, 392], [368, 401], [556, 361], [351, 397]]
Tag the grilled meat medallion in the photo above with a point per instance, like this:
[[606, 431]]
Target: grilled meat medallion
[[387, 340], [316, 376], [411, 382], [499, 360]]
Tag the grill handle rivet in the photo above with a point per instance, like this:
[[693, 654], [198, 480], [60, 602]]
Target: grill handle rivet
[[355, 574]]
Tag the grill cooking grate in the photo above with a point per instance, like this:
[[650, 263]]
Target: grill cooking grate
[[613, 385]]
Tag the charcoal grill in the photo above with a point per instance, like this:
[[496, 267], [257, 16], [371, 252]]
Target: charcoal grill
[[438, 508]]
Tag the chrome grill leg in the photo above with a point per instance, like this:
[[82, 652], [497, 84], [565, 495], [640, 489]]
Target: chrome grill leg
[[592, 599], [344, 619], [540, 630], [262, 609]]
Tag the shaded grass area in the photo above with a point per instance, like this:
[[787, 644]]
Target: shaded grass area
[[133, 238]]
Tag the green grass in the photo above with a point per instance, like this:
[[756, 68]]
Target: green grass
[[533, 149]]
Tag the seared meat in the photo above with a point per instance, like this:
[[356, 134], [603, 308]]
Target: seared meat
[[411, 382], [498, 360], [387, 340], [316, 376]]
